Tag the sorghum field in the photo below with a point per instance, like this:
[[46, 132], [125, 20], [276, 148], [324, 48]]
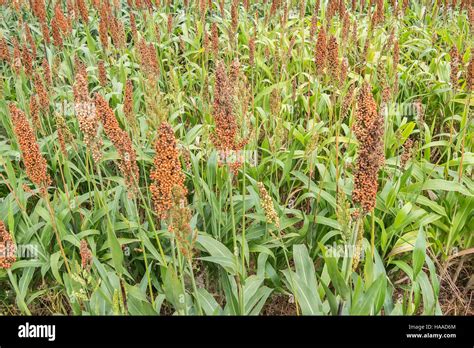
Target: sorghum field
[[252, 157]]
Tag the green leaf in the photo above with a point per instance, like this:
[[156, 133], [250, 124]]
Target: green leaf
[[208, 302], [445, 185], [363, 305], [331, 299], [402, 215], [336, 277], [219, 253], [308, 302], [304, 266], [419, 253], [55, 266], [427, 293], [173, 289], [116, 250]]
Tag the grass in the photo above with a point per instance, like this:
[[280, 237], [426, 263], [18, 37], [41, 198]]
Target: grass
[[302, 245]]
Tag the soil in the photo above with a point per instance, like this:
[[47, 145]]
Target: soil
[[457, 287], [279, 304]]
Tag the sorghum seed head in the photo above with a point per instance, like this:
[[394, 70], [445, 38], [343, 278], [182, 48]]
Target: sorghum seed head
[[252, 50], [333, 58], [102, 73], [267, 205], [133, 27], [321, 50], [170, 23], [358, 247], [16, 66], [47, 72], [122, 142], [347, 102], [61, 21], [369, 129], [225, 137], [470, 73], [179, 221], [167, 172], [35, 163], [83, 10], [27, 60], [34, 111], [29, 39], [64, 135], [4, 51], [454, 66], [57, 38], [214, 38], [86, 114], [234, 12], [42, 93], [407, 152], [7, 248], [86, 255]]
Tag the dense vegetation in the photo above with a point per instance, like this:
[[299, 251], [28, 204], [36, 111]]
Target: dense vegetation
[[236, 157]]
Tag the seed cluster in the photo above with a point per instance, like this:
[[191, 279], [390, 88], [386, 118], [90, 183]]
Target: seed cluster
[[102, 73], [369, 130], [320, 53], [148, 58], [86, 255], [4, 51], [179, 218], [86, 114], [34, 112], [43, 97], [407, 152], [7, 248], [470, 73], [27, 60], [214, 39], [396, 60], [225, 137], [35, 163], [57, 37], [333, 58], [347, 102], [29, 39], [252, 50], [16, 66], [62, 22], [47, 72], [128, 102], [83, 10], [167, 172], [358, 247], [122, 142], [267, 206]]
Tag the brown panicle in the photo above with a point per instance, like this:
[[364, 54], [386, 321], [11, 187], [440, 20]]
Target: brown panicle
[[320, 53], [86, 113], [122, 142], [7, 248], [167, 172], [35, 163], [179, 221], [225, 136], [369, 130]]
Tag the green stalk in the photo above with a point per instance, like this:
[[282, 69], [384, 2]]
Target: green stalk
[[193, 281], [234, 238]]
